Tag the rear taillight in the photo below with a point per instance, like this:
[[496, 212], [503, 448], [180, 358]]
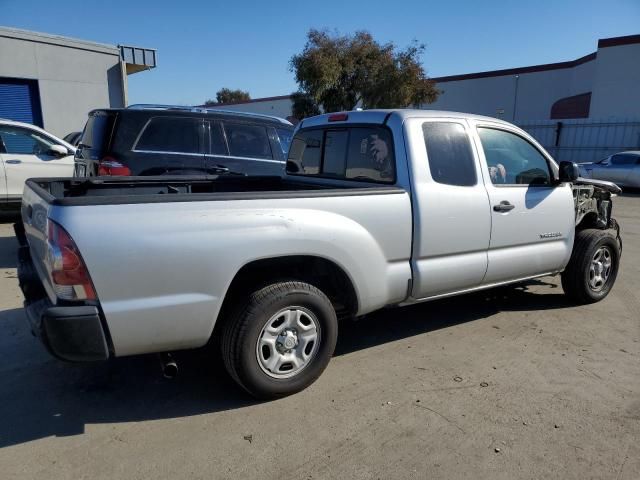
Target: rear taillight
[[110, 166], [69, 275]]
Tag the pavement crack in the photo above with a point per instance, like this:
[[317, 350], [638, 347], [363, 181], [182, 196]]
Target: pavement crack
[[442, 416]]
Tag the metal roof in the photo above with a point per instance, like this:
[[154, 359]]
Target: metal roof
[[136, 58]]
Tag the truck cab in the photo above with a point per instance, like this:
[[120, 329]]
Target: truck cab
[[487, 204]]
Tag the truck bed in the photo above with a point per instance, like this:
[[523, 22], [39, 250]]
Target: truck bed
[[128, 190]]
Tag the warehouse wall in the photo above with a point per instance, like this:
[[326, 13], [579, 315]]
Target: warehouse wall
[[536, 93], [616, 84], [72, 78], [279, 107]]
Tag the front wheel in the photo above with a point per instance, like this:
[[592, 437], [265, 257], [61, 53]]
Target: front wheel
[[593, 268], [280, 340]]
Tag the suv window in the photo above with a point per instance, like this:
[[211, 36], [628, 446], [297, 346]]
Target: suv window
[[216, 140], [357, 153], [449, 153], [97, 131], [171, 134], [247, 140], [285, 140], [21, 141], [512, 160]]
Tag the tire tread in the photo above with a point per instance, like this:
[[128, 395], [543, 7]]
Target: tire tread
[[573, 282]]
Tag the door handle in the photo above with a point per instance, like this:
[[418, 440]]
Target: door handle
[[13, 162], [503, 206]]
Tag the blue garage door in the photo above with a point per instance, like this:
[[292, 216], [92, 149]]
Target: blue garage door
[[20, 101]]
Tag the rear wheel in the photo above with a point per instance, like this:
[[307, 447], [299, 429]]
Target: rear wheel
[[593, 267], [280, 340]]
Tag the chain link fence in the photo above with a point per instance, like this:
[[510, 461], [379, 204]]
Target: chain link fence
[[585, 140]]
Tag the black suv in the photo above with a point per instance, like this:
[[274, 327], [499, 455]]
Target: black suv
[[165, 140]]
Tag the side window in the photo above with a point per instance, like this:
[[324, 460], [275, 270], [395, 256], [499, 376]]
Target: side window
[[247, 140], [216, 140], [449, 154], [305, 153], [370, 156], [171, 134], [623, 159], [512, 160], [285, 137], [22, 141]]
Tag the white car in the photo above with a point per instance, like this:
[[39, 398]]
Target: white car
[[28, 151]]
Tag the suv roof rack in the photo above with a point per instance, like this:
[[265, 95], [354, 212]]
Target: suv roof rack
[[186, 108]]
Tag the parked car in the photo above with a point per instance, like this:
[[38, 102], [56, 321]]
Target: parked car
[[73, 138], [377, 209], [160, 140], [622, 168], [29, 151]]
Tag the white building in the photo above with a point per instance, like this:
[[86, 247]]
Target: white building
[[53, 81], [602, 85]]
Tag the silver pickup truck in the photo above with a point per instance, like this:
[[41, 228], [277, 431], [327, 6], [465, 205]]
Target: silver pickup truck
[[376, 209]]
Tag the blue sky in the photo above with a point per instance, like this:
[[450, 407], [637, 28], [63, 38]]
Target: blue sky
[[205, 45]]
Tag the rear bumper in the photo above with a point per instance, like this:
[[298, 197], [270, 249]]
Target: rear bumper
[[72, 332]]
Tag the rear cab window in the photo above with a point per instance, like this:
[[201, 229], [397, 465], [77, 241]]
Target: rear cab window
[[361, 153]]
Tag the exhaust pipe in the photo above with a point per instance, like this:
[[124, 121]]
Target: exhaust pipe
[[168, 365]]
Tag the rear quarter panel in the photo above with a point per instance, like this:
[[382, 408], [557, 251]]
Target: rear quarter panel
[[161, 270]]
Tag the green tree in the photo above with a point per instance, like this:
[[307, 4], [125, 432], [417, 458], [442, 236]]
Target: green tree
[[210, 103], [226, 95], [340, 72], [303, 105]]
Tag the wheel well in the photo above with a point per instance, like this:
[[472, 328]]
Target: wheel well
[[317, 271]]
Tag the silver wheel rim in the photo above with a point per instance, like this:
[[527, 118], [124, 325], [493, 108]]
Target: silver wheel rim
[[288, 342], [600, 269]]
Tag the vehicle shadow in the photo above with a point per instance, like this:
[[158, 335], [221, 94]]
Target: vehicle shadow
[[630, 192], [8, 252], [43, 397], [9, 216]]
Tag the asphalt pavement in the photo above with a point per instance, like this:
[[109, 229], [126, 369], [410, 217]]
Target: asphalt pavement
[[510, 383]]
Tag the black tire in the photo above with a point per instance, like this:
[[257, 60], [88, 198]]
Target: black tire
[[242, 331], [576, 277]]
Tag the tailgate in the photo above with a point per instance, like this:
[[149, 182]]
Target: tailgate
[[33, 234]]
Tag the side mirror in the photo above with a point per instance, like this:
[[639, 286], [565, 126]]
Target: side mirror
[[569, 172], [59, 151]]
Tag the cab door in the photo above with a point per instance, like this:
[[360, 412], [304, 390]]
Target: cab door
[[532, 217], [452, 218]]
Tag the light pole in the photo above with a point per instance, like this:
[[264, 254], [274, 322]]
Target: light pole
[[515, 99]]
